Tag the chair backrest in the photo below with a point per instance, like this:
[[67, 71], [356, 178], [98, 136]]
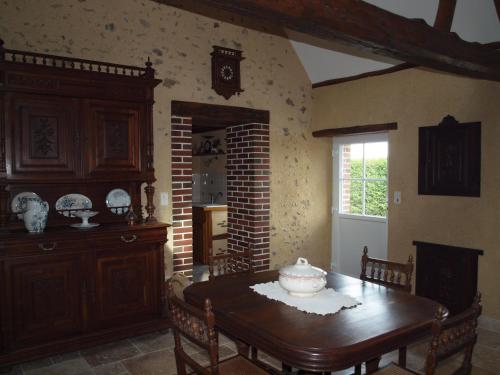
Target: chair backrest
[[198, 326], [454, 335], [384, 272], [230, 262]]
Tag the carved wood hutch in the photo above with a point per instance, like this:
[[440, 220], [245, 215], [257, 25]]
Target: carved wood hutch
[[69, 125]]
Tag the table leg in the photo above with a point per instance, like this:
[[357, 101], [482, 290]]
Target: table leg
[[402, 357], [357, 370], [372, 365]]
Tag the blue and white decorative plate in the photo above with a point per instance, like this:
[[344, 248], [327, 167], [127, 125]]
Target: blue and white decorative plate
[[18, 204], [72, 202], [118, 201]]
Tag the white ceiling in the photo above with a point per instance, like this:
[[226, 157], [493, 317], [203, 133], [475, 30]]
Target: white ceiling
[[474, 21]]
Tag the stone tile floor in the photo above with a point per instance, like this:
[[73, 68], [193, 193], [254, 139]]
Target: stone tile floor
[[153, 354]]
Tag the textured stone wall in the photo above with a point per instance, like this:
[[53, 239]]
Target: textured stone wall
[[179, 44]]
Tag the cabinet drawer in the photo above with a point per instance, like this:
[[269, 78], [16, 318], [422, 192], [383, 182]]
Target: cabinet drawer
[[128, 239], [43, 245]]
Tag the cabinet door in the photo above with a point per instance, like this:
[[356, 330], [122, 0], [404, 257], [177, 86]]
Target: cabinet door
[[45, 298], [126, 286], [113, 138], [44, 136]]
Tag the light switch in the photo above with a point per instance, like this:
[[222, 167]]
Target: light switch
[[164, 198], [397, 197]]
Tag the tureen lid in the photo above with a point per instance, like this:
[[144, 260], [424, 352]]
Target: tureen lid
[[302, 269]]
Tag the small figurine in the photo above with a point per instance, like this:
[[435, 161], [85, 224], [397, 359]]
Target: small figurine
[[131, 216]]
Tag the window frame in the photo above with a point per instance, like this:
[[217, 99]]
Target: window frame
[[357, 139]]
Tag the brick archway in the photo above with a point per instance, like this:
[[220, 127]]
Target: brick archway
[[248, 179]]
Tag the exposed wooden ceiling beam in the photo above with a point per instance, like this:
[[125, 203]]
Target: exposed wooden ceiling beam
[[368, 27], [445, 13]]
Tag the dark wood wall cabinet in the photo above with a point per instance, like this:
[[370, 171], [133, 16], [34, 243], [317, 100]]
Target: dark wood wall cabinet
[[76, 126], [449, 158], [447, 274]]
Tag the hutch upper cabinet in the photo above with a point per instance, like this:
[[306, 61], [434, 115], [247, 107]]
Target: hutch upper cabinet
[[76, 126]]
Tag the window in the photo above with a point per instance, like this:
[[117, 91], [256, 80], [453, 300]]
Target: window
[[363, 179]]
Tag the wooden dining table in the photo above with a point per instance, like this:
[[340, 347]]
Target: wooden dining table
[[385, 320]]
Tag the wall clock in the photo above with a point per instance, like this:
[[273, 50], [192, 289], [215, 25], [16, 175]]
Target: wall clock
[[226, 71]]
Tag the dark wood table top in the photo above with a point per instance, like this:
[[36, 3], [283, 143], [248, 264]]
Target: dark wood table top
[[386, 320]]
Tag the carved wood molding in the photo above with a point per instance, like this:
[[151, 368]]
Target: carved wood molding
[[445, 13], [360, 129], [359, 23]]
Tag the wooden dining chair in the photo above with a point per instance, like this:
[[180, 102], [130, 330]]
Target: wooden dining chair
[[230, 262], [390, 274], [387, 273], [449, 337], [198, 327]]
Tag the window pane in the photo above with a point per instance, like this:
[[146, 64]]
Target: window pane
[[376, 198], [352, 197], [352, 161], [376, 160]]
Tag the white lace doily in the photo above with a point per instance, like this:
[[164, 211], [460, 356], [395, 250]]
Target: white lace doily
[[327, 301]]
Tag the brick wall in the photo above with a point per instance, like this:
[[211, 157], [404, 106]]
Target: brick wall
[[248, 195], [346, 176], [182, 195]]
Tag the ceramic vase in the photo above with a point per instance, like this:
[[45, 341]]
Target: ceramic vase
[[35, 216]]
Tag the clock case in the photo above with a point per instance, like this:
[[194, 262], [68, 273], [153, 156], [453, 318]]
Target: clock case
[[226, 59]]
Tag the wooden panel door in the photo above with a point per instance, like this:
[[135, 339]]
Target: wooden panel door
[[126, 286], [44, 135], [113, 135], [45, 298]]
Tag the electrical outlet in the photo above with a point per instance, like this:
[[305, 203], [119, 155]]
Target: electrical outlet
[[164, 199], [397, 197]]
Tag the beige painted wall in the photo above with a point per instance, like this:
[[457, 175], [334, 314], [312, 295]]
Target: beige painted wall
[[416, 98], [179, 43]]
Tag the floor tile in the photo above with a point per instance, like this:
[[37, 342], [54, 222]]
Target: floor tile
[[108, 353], [154, 341], [486, 358], [39, 363], [71, 367], [65, 357], [116, 368], [480, 371], [203, 358], [11, 370], [488, 338], [156, 363]]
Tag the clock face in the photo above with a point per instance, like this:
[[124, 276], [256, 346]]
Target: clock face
[[226, 72]]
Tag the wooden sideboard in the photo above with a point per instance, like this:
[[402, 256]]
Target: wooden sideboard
[[67, 126]]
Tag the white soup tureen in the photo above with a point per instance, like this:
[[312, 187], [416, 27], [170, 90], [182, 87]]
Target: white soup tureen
[[302, 279]]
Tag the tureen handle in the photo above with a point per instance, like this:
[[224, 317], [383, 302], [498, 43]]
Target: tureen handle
[[302, 261]]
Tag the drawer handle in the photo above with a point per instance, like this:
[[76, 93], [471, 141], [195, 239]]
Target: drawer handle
[[130, 239], [48, 247]]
